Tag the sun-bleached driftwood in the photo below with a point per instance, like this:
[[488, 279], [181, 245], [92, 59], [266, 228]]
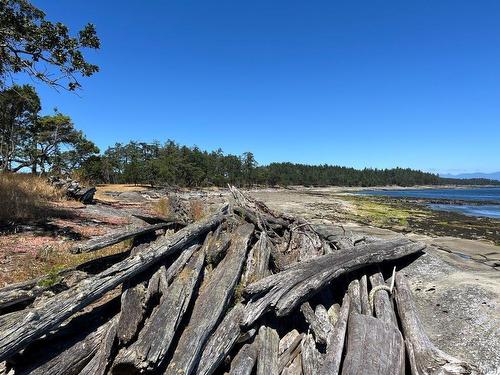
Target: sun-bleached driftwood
[[382, 304], [311, 357], [282, 292], [319, 326], [295, 368], [100, 362], [257, 265], [47, 317], [425, 358], [155, 338], [216, 246], [116, 237], [355, 296], [221, 341], [267, 360], [71, 359], [290, 350], [363, 295], [373, 347], [211, 303], [331, 363], [243, 362]]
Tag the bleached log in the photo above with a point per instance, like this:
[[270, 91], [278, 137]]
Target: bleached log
[[373, 347], [355, 296], [425, 358], [311, 357], [114, 238], [285, 290], [319, 326], [221, 341], [41, 320], [292, 350], [257, 265], [155, 338], [363, 294], [211, 303], [333, 356], [267, 361], [244, 361], [295, 368], [383, 306]]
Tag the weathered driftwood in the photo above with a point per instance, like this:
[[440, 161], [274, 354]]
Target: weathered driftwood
[[243, 362], [217, 245], [285, 290], [290, 350], [331, 363], [311, 357], [373, 347], [257, 265], [155, 338], [295, 368], [267, 360], [116, 237], [221, 341], [383, 307], [39, 321], [355, 296], [319, 326], [72, 359], [425, 358], [211, 303], [101, 360], [363, 294]]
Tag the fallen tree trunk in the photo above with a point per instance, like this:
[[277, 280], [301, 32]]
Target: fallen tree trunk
[[211, 304], [267, 360], [244, 361], [319, 326], [382, 305], [45, 318], [311, 357], [373, 347], [425, 358], [114, 238], [285, 290]]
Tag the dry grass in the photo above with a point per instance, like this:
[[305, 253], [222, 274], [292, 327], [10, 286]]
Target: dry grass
[[162, 207], [25, 197], [197, 210]]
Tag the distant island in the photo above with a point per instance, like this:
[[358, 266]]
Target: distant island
[[488, 176]]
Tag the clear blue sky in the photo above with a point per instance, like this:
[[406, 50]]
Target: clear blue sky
[[375, 83]]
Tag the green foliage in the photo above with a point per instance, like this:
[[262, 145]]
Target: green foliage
[[43, 49], [172, 164]]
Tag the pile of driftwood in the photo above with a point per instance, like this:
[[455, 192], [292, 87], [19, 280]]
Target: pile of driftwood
[[73, 189], [244, 291]]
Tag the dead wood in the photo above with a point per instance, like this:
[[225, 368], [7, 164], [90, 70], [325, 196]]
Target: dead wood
[[114, 238], [267, 360], [257, 265], [211, 303], [47, 317], [331, 363], [425, 358], [363, 294], [311, 357], [155, 338], [373, 347], [243, 362], [382, 304], [355, 296], [290, 351], [319, 326], [285, 290], [221, 341]]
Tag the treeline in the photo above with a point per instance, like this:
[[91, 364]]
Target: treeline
[[176, 165]]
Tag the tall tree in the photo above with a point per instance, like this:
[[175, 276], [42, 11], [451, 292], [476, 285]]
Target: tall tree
[[45, 50]]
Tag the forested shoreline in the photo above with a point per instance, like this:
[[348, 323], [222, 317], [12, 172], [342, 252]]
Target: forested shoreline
[[176, 165]]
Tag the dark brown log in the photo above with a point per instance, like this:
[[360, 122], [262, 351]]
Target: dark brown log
[[311, 357], [155, 338], [331, 364], [373, 347], [221, 341], [285, 290], [211, 303], [363, 294], [267, 361], [114, 238], [257, 265], [425, 358], [45, 318], [383, 306], [320, 327], [243, 362]]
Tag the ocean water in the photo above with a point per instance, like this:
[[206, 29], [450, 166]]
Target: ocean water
[[490, 195]]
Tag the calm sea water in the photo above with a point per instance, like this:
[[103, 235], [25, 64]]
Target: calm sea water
[[477, 194]]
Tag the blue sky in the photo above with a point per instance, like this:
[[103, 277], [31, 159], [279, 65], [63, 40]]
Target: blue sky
[[375, 83]]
